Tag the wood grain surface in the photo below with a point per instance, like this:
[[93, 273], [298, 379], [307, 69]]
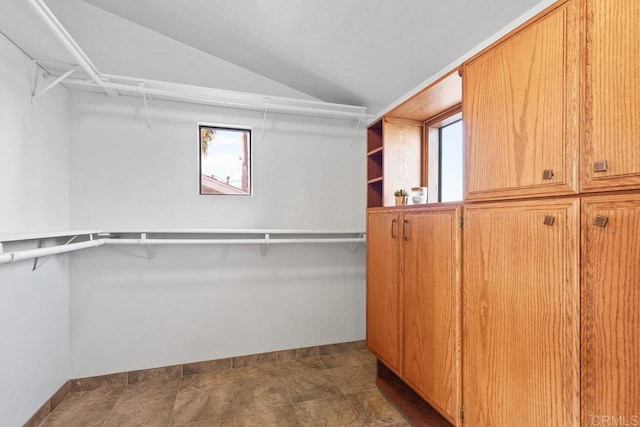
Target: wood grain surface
[[383, 294], [612, 95], [402, 157], [611, 310], [432, 307], [521, 111], [521, 315]]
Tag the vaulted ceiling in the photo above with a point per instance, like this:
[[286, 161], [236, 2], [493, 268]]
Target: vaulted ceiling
[[362, 52]]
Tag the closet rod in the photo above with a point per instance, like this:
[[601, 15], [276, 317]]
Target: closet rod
[[58, 30], [183, 93], [52, 250], [315, 110], [263, 241], [144, 241]]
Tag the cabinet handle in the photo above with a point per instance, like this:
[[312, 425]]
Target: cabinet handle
[[393, 228], [601, 166], [601, 221], [404, 229], [547, 174]]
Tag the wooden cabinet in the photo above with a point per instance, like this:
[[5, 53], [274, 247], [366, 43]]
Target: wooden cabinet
[[611, 146], [413, 300], [521, 314], [521, 111], [431, 280], [550, 329], [383, 292], [611, 309]]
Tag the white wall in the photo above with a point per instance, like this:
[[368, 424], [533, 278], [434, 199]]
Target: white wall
[[200, 303], [34, 306], [33, 150], [307, 174], [90, 161]]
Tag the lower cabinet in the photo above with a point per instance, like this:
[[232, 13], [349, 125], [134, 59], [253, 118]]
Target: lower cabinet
[[611, 310], [548, 309], [383, 293], [521, 314], [413, 300], [431, 281]]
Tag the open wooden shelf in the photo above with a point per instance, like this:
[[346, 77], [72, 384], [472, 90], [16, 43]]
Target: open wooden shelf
[[401, 127]]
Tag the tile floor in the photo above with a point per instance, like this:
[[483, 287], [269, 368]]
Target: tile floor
[[332, 390]]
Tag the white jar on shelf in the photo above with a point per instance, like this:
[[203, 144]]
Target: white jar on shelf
[[419, 195]]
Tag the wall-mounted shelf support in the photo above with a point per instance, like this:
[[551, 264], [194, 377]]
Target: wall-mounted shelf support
[[266, 242], [355, 130], [143, 240], [146, 105], [354, 245], [52, 84], [35, 261]]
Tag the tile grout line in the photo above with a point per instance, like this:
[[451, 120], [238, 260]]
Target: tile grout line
[[315, 351], [322, 365]]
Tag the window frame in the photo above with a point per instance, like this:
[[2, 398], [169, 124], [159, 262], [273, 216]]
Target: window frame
[[431, 174], [238, 128]]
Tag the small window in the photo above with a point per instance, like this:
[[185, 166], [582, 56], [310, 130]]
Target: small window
[[225, 160], [444, 157]]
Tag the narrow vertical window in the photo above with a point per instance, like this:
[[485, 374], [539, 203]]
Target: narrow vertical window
[[225, 160], [451, 162]]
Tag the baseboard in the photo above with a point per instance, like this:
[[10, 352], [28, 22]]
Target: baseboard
[[43, 412]]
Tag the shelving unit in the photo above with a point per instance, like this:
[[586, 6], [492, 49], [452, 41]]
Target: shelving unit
[[395, 141], [375, 165]]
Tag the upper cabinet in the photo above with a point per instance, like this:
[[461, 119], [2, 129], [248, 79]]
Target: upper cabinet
[[521, 111], [611, 145]]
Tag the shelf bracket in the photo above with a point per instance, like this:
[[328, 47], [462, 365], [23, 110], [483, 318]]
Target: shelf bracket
[[355, 130], [264, 120], [146, 104], [52, 84], [354, 246], [35, 261], [264, 245], [34, 78], [143, 240]]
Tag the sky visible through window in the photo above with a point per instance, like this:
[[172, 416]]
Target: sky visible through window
[[451, 162], [223, 160]]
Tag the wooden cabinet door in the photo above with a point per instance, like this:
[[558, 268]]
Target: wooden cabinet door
[[612, 110], [383, 293], [521, 314], [401, 156], [520, 111], [432, 307], [611, 310]]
